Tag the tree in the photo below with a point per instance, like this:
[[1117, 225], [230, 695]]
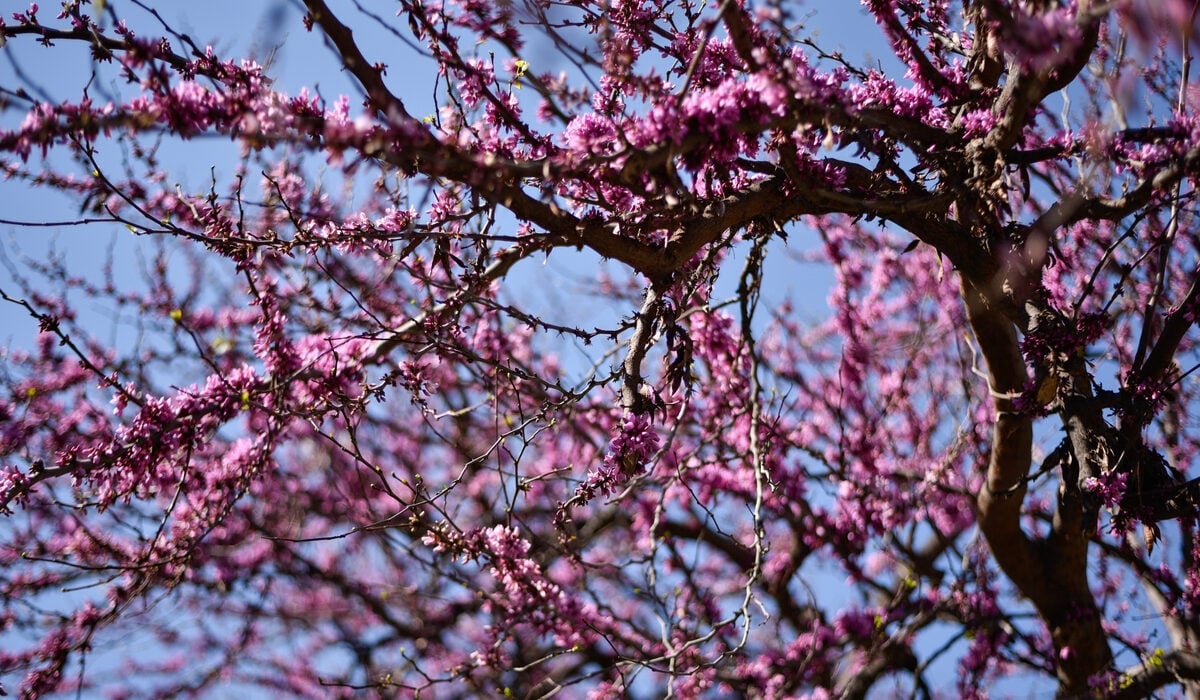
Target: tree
[[351, 450]]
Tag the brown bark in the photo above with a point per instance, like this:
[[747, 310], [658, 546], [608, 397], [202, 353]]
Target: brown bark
[[1052, 572]]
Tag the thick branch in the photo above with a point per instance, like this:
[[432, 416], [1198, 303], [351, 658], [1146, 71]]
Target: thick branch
[[892, 656], [1024, 90], [1003, 492], [864, 194], [1176, 501], [639, 344], [1175, 327], [1052, 574], [1145, 678], [1073, 209]]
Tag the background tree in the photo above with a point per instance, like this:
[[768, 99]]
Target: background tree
[[351, 449]]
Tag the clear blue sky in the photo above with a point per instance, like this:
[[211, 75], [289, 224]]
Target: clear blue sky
[[297, 59]]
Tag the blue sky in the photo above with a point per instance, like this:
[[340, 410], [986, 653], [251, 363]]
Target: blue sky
[[269, 31]]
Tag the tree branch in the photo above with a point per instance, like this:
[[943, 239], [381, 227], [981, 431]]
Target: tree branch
[[1158, 671]]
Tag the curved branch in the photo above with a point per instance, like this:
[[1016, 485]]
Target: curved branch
[[368, 75], [1024, 90], [1175, 326], [1158, 671], [632, 398], [891, 656]]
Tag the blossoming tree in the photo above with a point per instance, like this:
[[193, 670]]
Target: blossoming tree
[[349, 452]]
